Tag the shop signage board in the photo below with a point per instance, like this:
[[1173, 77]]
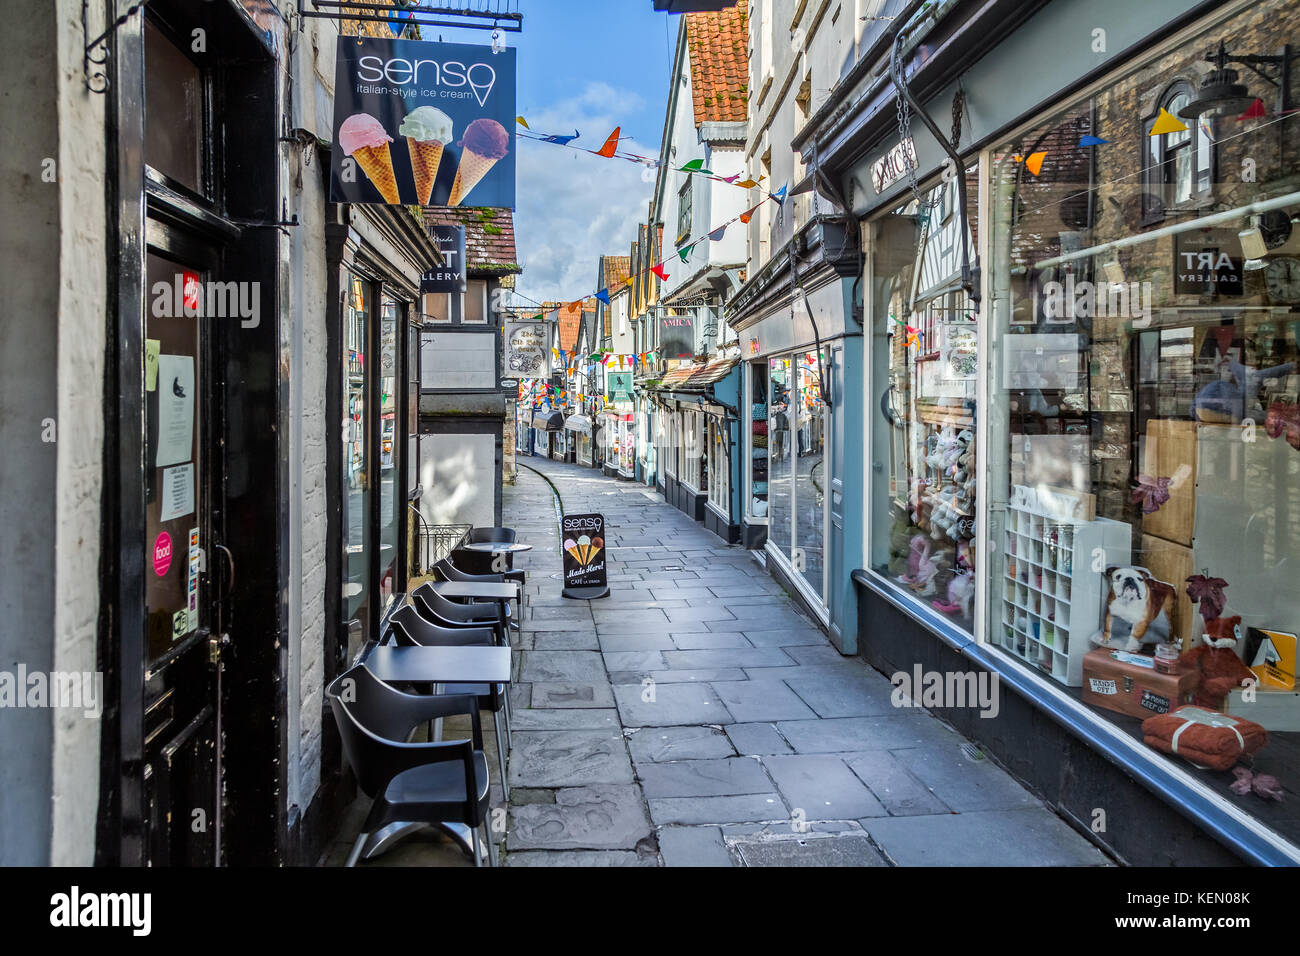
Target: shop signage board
[[452, 276], [583, 542], [676, 336], [893, 166], [1203, 263], [423, 123], [620, 386], [527, 352]]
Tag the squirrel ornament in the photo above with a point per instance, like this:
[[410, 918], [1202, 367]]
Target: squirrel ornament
[[1216, 660]]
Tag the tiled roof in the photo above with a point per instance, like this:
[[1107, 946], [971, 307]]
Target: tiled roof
[[617, 269], [718, 45], [570, 318], [489, 235]]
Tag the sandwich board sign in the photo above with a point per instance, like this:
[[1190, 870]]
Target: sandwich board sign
[[583, 544]]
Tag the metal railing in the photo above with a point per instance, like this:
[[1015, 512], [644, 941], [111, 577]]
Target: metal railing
[[435, 541]]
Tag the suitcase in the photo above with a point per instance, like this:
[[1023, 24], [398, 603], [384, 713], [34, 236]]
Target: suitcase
[[1129, 684]]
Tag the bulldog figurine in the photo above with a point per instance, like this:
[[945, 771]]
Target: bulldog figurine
[[1138, 599]]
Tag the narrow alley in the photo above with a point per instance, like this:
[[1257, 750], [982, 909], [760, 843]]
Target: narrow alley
[[696, 717]]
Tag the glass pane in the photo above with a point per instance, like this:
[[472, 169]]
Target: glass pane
[[390, 496], [811, 477], [924, 369], [780, 455], [174, 110], [476, 301], [437, 307], [173, 490], [356, 464], [758, 440]]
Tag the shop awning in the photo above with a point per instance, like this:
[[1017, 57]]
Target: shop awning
[[611, 414], [548, 421], [578, 423], [696, 376], [679, 376]]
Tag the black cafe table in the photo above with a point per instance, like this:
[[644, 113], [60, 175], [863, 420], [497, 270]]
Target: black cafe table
[[394, 664], [502, 593], [497, 547]]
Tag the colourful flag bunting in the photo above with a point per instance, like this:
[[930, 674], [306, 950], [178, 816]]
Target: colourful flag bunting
[[1085, 141], [562, 140], [1167, 122], [603, 296], [747, 183], [685, 251], [717, 234], [660, 272], [779, 195], [1254, 111], [521, 122], [611, 144], [1034, 162], [695, 166]]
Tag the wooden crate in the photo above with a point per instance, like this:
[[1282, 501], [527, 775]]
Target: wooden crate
[[1171, 563], [1170, 445]]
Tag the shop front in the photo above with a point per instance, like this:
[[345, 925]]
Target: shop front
[[797, 453], [578, 431], [1084, 472]]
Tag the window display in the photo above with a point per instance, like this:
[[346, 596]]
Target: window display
[[1143, 383], [810, 416], [779, 455], [924, 372], [758, 440]]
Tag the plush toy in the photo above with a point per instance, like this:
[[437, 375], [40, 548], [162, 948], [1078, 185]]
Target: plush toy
[[1217, 662], [921, 568], [961, 590]]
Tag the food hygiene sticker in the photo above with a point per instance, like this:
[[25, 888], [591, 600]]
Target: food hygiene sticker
[[584, 550], [419, 123]]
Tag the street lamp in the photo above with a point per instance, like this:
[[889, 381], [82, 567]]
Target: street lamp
[[1220, 93]]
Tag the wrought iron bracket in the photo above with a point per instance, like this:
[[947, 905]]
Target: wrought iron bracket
[[415, 15], [94, 60]]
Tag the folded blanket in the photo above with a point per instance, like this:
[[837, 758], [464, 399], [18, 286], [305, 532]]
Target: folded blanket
[[1204, 737]]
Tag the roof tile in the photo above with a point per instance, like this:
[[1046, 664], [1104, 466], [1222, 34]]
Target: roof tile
[[718, 42], [489, 235]]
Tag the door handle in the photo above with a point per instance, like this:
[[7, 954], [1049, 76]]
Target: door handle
[[230, 558]]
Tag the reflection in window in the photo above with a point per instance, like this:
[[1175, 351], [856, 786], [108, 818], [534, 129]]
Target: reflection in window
[[758, 443], [174, 114], [356, 458], [808, 415]]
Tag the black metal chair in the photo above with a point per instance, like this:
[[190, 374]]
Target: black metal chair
[[446, 570], [410, 629], [437, 782], [484, 535]]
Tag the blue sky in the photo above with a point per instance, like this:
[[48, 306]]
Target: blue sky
[[590, 65]]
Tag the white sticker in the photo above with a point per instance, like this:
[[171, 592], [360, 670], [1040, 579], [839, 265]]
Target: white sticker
[[1098, 686], [177, 492]]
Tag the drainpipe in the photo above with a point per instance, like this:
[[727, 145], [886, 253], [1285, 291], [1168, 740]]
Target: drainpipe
[[913, 33]]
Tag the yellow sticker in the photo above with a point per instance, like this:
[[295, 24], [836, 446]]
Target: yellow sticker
[[151, 349]]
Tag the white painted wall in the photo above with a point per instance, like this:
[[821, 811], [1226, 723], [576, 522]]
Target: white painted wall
[[451, 470]]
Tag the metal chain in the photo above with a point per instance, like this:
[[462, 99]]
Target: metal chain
[[904, 111], [958, 104]]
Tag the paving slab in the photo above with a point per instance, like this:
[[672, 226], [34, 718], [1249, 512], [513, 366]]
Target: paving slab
[[823, 787], [581, 858], [704, 640], [759, 738], [702, 675], [809, 851], [902, 794], [1025, 837], [570, 694], [613, 640], [729, 657], [964, 784], [525, 718], [864, 694], [562, 666], [672, 704], [568, 758], [782, 636], [693, 846], [703, 778], [679, 743], [565, 640], [843, 734], [582, 818], [751, 700], [634, 660], [718, 810]]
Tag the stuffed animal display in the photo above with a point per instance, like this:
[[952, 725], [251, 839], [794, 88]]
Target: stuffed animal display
[[1217, 662], [921, 568]]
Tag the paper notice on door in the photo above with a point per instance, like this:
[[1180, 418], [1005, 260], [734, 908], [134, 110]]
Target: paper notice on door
[[151, 349], [177, 492], [175, 409]]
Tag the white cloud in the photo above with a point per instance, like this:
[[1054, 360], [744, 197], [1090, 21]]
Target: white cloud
[[574, 207]]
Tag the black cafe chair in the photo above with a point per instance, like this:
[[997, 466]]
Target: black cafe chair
[[436, 609], [410, 629], [436, 782], [441, 572], [446, 570]]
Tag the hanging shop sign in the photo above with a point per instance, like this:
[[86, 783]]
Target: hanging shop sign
[[893, 166], [676, 336], [620, 386], [421, 123], [584, 556], [452, 276], [527, 352]]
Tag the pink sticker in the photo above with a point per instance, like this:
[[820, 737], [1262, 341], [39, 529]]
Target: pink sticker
[[162, 554]]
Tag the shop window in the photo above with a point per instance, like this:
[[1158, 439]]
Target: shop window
[[810, 420], [357, 531], [758, 441], [924, 375], [719, 472], [691, 473], [1143, 412]]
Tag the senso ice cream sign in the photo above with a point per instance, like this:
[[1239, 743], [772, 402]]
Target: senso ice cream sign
[[427, 124]]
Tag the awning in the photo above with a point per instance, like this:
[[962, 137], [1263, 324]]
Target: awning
[[679, 376], [696, 377], [611, 414], [578, 423], [548, 421]]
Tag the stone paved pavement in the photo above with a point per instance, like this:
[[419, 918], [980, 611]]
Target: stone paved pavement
[[696, 717]]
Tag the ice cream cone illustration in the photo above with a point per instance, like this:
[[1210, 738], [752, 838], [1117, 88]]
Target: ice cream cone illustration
[[596, 545], [427, 130], [485, 141], [584, 550], [571, 547], [362, 137]]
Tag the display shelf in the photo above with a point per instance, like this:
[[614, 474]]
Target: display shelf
[[1051, 597]]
